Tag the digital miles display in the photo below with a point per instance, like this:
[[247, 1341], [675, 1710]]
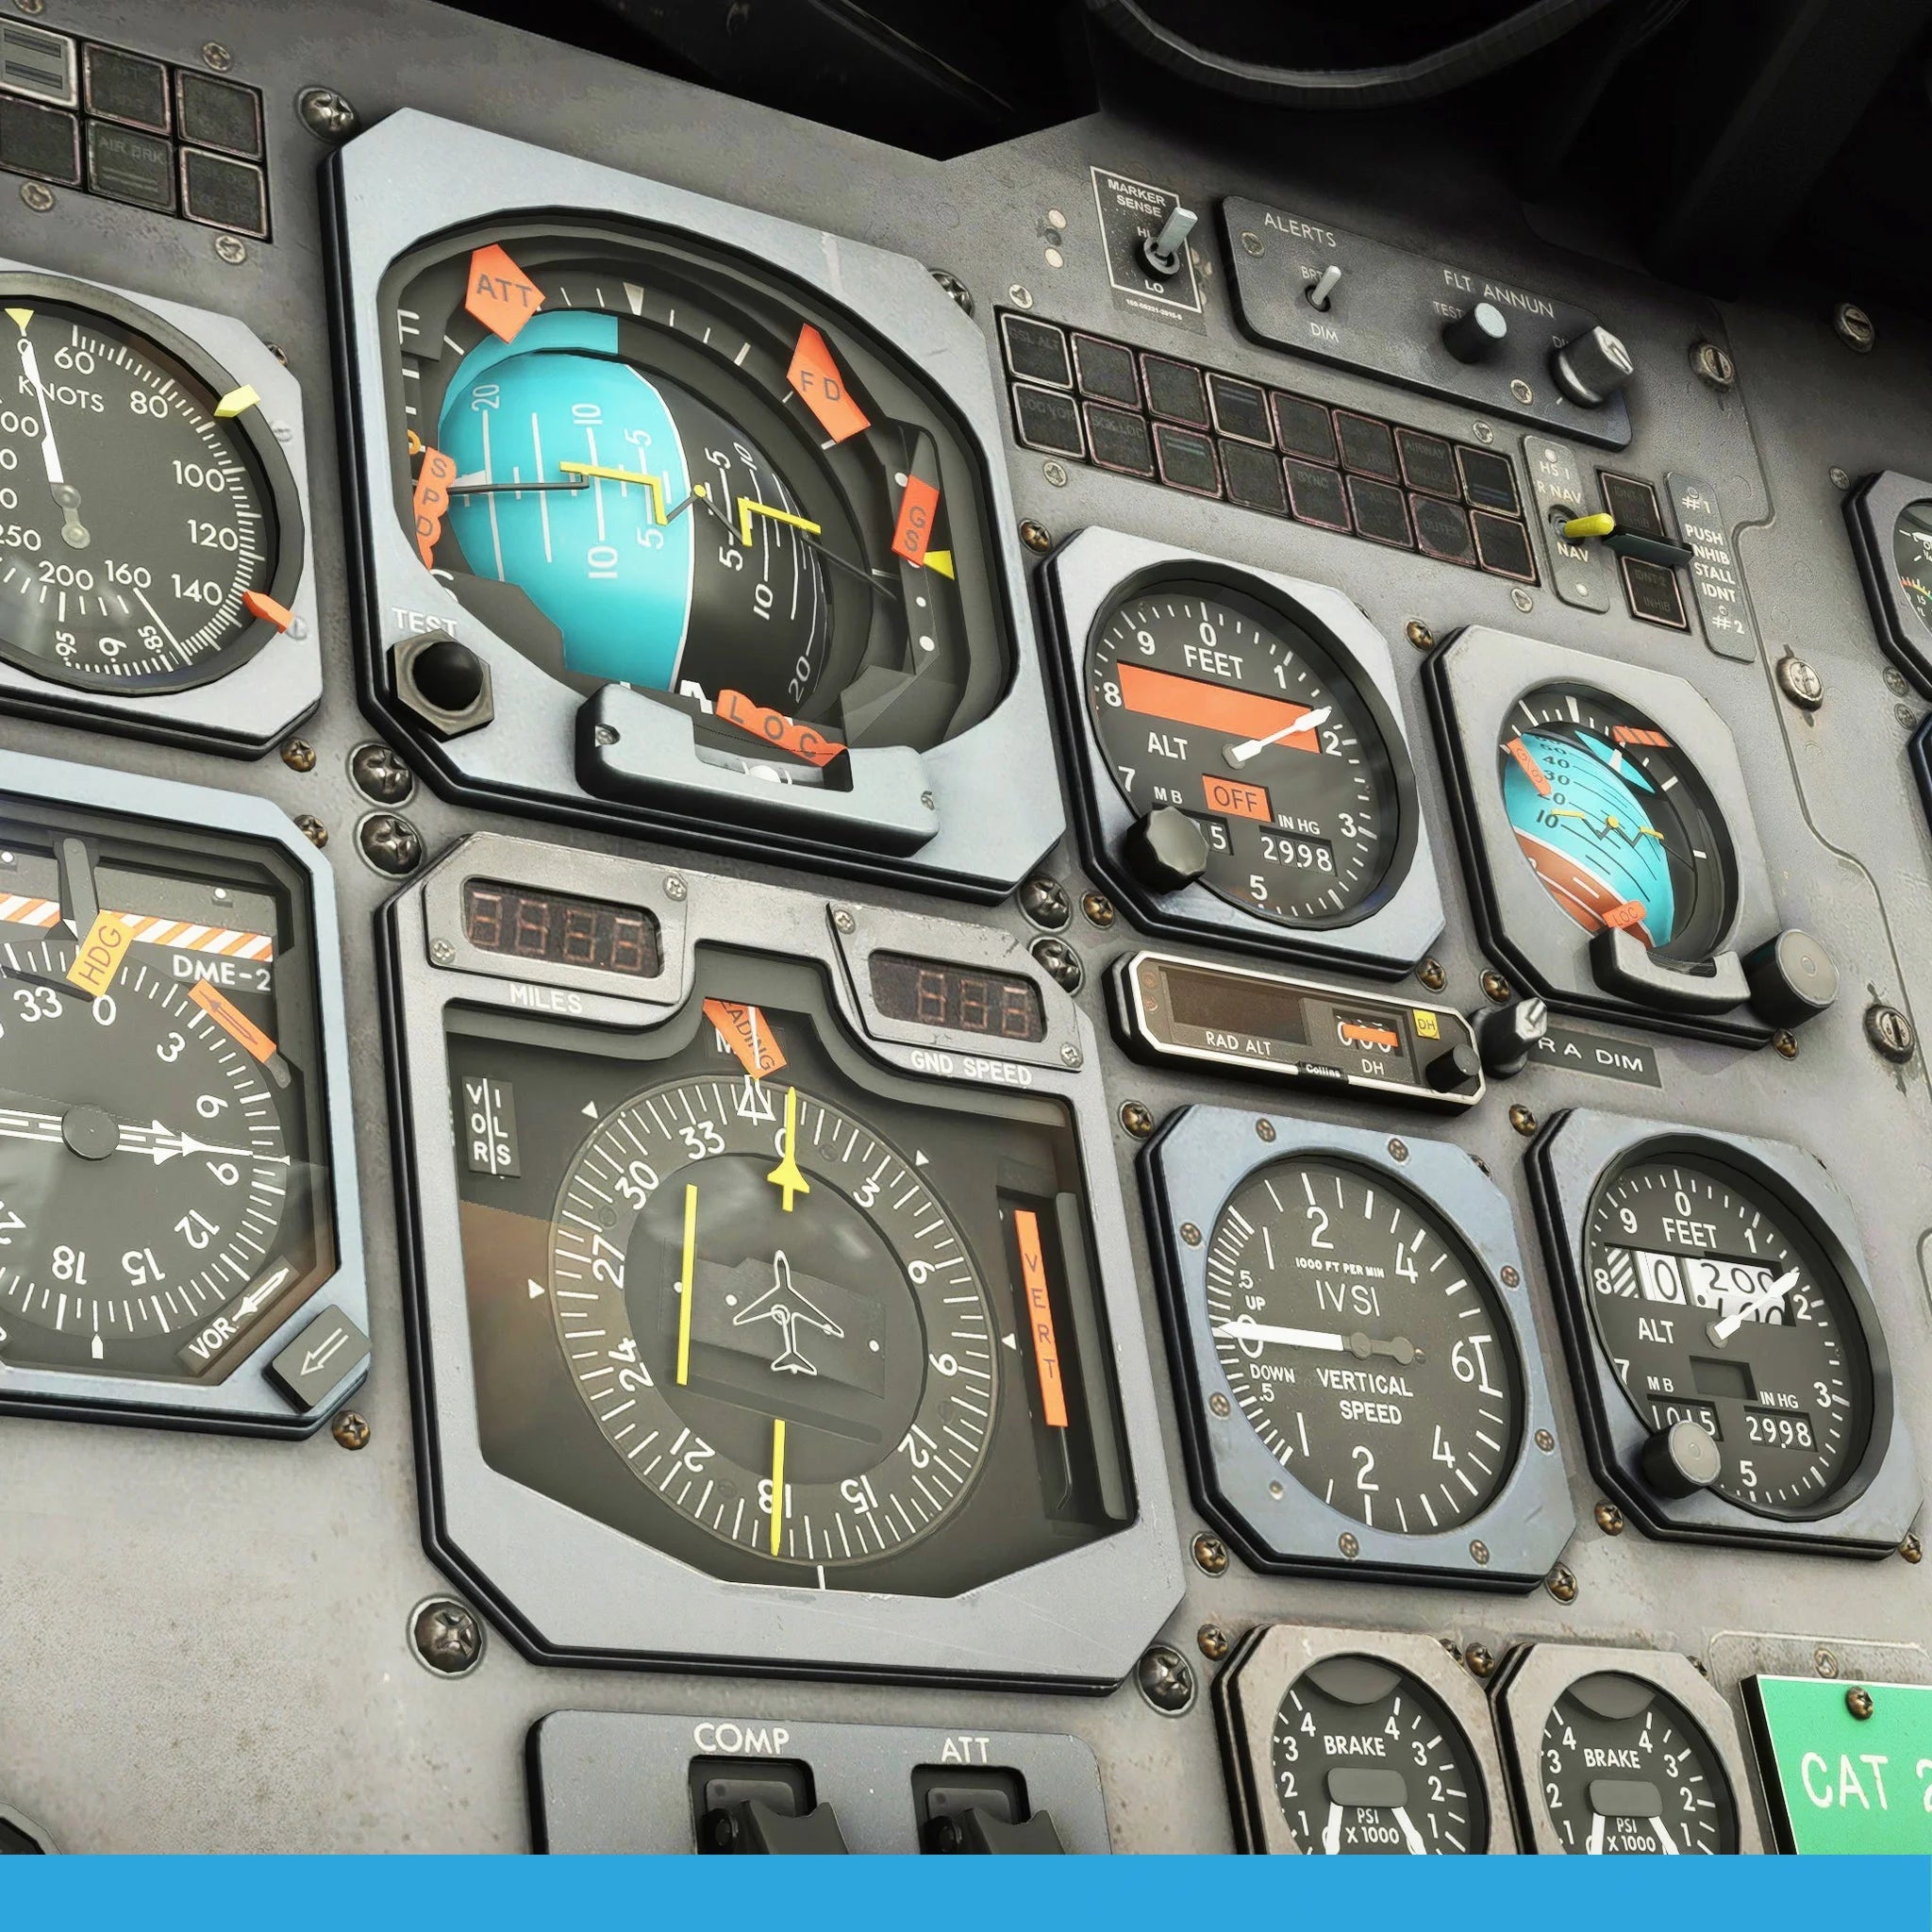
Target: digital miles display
[[559, 930]]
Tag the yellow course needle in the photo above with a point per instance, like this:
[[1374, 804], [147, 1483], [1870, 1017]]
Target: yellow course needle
[[777, 1481], [691, 1244], [654, 484], [787, 1177]]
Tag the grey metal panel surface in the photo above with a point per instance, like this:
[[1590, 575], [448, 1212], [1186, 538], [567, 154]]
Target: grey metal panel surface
[[259, 1690]]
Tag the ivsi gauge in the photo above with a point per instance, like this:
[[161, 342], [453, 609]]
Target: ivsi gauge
[[1361, 1368]]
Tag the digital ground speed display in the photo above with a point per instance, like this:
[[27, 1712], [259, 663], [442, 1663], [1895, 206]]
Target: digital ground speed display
[[956, 999], [559, 930]]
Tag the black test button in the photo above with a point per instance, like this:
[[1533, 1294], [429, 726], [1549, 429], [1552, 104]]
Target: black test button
[[126, 165], [1036, 350], [1186, 461], [1120, 440], [1315, 494], [1441, 530], [223, 194], [1428, 464], [1489, 480], [220, 114], [1253, 479], [1303, 429], [128, 88], [1107, 370], [1047, 420], [1368, 448], [1174, 389], [1502, 547], [1381, 512], [42, 142]]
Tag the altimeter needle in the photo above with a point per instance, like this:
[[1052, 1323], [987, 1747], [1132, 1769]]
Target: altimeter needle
[[1773, 1294], [1239, 754]]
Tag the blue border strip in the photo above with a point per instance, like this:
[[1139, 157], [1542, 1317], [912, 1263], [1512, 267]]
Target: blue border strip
[[1446, 1894]]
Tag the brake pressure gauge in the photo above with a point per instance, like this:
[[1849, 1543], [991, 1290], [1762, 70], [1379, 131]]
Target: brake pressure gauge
[[1362, 1388], [1243, 773], [1735, 1379], [1622, 1751], [1358, 1742]]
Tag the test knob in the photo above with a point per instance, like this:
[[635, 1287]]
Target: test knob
[[1791, 979], [1478, 333], [1591, 370], [1681, 1460], [1165, 253], [1507, 1036], [1164, 849]]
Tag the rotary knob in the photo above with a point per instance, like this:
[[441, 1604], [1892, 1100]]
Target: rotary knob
[[1478, 333], [1591, 370], [1164, 849], [1681, 1460], [1791, 979], [1507, 1036]]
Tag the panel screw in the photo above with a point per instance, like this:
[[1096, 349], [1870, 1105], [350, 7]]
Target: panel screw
[[1062, 962], [391, 843], [1825, 1662], [232, 249], [1215, 1642], [1477, 1661], [1510, 1278], [1609, 1519], [1210, 1554], [1398, 1150], [380, 773], [953, 287], [1191, 1234], [1840, 479], [1055, 472], [1894, 680], [929, 802], [1905, 716], [325, 112], [217, 56], [1800, 683], [281, 354], [675, 888], [37, 196], [31, 5], [602, 734], [1853, 326], [1890, 1032], [1495, 989], [1019, 297], [844, 922], [1911, 1549], [1264, 1128], [1431, 974], [1166, 1679], [350, 1431], [1223, 1408], [1136, 1119], [1480, 1550], [1785, 1043], [1561, 1584], [299, 755], [1713, 365], [1099, 909], [1545, 1441], [443, 953], [1859, 1702], [1523, 1120], [1036, 535], [311, 828], [1070, 1054], [1521, 390], [447, 1637], [1483, 432], [1523, 600], [1420, 635], [1349, 1544], [1045, 902], [1251, 243]]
